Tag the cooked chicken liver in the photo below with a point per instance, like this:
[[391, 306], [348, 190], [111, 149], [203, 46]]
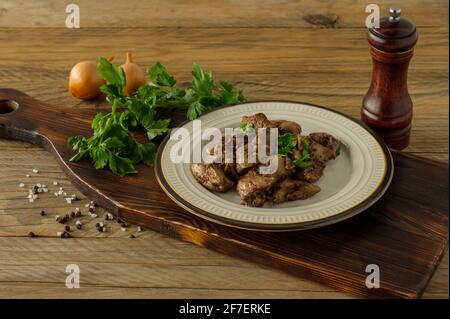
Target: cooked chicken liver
[[311, 174], [252, 185], [328, 141], [288, 183], [290, 127], [212, 177], [290, 189], [258, 120]]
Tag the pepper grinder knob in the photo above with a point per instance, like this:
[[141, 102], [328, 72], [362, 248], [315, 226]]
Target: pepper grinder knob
[[387, 106], [394, 14]]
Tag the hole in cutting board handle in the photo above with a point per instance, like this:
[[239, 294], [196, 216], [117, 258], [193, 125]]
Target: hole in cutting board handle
[[8, 106]]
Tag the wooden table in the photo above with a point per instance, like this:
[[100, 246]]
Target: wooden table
[[312, 51]]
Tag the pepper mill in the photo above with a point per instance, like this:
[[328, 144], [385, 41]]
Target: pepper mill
[[387, 106]]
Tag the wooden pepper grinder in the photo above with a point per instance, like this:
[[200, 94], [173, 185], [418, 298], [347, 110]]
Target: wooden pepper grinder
[[387, 106]]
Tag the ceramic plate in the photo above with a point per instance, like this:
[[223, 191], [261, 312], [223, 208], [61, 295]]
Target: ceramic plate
[[350, 184]]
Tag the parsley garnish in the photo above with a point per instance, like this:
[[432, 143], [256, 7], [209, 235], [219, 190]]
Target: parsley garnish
[[286, 143], [306, 160], [113, 146], [245, 127]]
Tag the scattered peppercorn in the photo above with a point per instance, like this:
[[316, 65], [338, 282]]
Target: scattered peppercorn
[[42, 212], [67, 228], [63, 220], [109, 216], [31, 234], [63, 234]]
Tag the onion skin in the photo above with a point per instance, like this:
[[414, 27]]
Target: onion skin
[[135, 76], [84, 81]]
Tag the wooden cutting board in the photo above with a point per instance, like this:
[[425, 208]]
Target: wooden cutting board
[[405, 234]]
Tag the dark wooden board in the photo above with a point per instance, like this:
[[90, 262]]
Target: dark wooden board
[[405, 233]]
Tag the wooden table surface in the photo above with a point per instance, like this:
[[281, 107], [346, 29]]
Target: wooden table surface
[[311, 51]]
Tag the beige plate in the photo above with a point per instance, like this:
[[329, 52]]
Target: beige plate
[[350, 184]]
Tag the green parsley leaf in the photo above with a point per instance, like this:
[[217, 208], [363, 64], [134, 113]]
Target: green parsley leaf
[[245, 127], [120, 165], [100, 155], [302, 164], [159, 75], [159, 127], [194, 110], [306, 160], [202, 81], [111, 73], [286, 143]]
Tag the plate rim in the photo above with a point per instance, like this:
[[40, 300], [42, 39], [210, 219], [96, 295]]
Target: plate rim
[[362, 206]]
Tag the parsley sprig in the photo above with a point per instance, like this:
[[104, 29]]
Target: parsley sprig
[[113, 145], [288, 142], [306, 159], [245, 127]]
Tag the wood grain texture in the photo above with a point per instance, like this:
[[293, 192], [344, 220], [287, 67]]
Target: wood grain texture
[[404, 241], [266, 63], [271, 50], [149, 267], [224, 14]]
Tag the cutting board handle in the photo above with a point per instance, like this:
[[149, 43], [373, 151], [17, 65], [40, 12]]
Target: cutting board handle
[[22, 117], [27, 119]]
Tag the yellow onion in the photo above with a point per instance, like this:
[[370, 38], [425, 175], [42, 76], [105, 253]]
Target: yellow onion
[[135, 75], [84, 81]]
